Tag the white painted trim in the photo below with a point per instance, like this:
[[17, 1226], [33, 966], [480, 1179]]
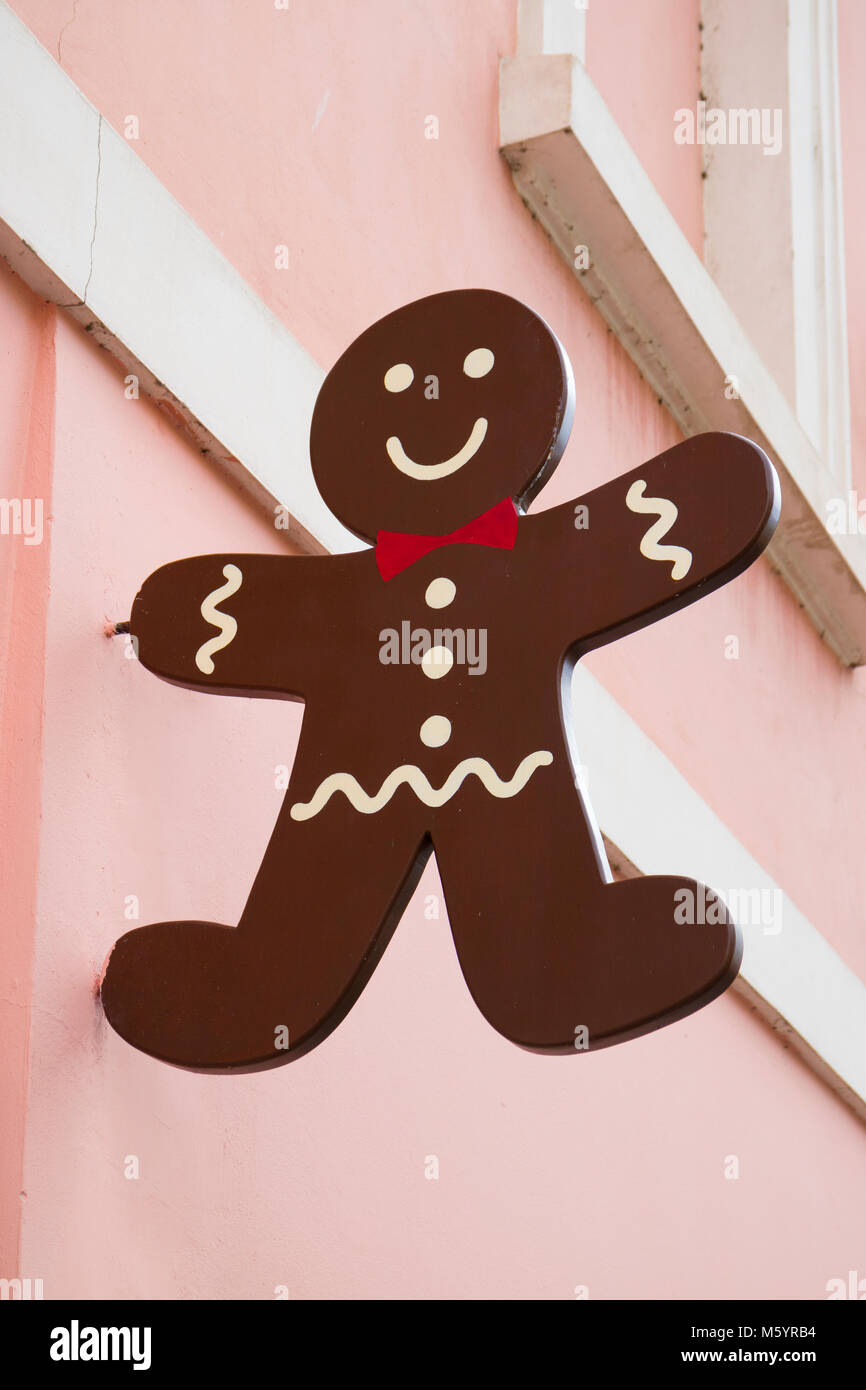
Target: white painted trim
[[805, 250], [795, 979], [208, 336], [817, 238], [837, 435], [87, 225], [552, 26], [575, 170]]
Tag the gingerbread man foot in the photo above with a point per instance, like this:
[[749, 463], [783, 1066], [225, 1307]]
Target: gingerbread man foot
[[194, 994], [247, 998], [557, 959], [621, 967]]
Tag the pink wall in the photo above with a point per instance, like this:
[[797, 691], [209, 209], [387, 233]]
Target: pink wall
[[26, 446], [645, 60], [607, 1171]]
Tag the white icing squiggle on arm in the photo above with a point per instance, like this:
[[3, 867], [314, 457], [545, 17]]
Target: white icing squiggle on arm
[[667, 515], [227, 625], [413, 776]]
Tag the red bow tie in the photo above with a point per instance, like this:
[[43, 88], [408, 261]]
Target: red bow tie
[[396, 550]]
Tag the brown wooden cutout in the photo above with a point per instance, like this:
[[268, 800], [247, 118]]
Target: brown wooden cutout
[[434, 668]]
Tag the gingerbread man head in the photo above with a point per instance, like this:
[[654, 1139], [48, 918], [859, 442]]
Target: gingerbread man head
[[438, 412]]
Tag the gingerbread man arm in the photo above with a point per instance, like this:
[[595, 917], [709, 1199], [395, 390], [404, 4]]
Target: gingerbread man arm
[[230, 624], [656, 538]]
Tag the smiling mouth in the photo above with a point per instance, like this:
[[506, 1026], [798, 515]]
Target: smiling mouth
[[424, 471]]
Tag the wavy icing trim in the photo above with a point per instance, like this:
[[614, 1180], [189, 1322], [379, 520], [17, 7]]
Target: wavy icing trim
[[412, 775], [667, 515], [211, 614]]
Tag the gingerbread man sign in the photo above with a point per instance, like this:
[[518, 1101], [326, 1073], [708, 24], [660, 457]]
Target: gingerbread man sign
[[434, 669]]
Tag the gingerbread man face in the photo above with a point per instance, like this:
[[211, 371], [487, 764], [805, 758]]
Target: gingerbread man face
[[438, 412], [430, 435]]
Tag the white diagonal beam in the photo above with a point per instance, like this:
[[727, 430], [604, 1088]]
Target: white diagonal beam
[[86, 224], [576, 172], [790, 972]]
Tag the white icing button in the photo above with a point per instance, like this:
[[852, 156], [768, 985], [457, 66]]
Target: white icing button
[[437, 662], [435, 731], [440, 592]]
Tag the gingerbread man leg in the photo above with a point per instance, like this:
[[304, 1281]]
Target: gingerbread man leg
[[556, 958], [321, 912]]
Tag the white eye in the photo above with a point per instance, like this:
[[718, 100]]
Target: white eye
[[478, 362], [398, 377]]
